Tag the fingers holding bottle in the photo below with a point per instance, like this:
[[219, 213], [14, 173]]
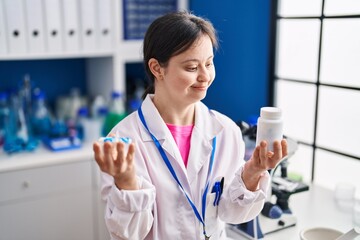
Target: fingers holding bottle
[[278, 153], [264, 159]]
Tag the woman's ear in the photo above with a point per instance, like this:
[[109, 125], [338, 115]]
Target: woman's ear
[[155, 68]]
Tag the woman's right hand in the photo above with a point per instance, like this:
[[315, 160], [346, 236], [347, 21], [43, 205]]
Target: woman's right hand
[[113, 160]]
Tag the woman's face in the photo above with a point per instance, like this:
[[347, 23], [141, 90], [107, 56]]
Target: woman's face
[[189, 74]]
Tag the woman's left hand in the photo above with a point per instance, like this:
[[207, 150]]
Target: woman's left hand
[[262, 160]]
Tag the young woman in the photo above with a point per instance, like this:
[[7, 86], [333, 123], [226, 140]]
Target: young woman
[[183, 175]]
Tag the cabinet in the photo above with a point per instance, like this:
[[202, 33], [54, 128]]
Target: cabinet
[[101, 231], [46, 195], [47, 198]]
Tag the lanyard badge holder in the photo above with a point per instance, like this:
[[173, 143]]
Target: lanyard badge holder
[[173, 173]]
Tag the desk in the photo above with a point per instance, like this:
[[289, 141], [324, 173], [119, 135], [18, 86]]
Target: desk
[[313, 208]]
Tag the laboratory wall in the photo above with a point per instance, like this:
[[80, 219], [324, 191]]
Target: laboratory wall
[[241, 85]]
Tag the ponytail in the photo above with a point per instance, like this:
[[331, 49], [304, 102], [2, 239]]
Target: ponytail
[[149, 90]]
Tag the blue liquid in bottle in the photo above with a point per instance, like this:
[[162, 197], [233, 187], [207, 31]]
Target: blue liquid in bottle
[[4, 116], [40, 117]]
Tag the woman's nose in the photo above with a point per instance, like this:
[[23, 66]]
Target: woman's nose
[[204, 75]]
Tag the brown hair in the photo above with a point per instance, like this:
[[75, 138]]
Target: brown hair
[[170, 35]]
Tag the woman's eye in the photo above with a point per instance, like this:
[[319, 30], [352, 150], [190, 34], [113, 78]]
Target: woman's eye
[[192, 69]]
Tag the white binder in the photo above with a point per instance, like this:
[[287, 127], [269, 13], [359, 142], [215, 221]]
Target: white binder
[[35, 30], [105, 29], [88, 27], [71, 25], [3, 42], [53, 26], [15, 26]]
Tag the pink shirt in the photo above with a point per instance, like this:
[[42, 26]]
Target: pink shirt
[[182, 136]]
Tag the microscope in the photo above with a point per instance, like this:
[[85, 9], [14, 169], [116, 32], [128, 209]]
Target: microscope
[[276, 213]]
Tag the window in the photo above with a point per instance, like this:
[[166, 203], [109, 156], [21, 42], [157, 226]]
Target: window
[[316, 81]]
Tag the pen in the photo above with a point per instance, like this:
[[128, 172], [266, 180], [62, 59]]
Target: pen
[[218, 190]]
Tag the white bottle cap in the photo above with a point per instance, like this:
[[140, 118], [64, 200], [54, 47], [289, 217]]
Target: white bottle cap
[[270, 113]]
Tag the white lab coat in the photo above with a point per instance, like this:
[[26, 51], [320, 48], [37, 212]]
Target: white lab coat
[[160, 210]]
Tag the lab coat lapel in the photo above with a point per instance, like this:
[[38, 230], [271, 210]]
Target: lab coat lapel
[[153, 121], [200, 151], [206, 128]]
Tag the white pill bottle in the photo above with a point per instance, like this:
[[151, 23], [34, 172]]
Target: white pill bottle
[[269, 126]]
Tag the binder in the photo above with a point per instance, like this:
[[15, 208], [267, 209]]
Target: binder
[[105, 27], [3, 42], [71, 25], [88, 20], [53, 26], [15, 26], [35, 30]]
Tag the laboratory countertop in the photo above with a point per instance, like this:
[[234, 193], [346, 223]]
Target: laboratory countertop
[[43, 157], [313, 208]]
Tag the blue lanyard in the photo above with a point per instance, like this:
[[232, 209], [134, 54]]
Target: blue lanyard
[[173, 173]]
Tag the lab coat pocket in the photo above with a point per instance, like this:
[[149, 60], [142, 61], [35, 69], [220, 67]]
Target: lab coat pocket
[[212, 222], [211, 215]]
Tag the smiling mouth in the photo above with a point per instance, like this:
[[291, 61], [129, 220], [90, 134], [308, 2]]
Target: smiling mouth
[[200, 87]]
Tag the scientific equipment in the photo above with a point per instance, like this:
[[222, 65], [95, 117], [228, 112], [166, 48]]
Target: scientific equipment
[[25, 89], [135, 97], [99, 111], [117, 111], [81, 121], [40, 116], [74, 104], [328, 234], [18, 135], [275, 215], [320, 233], [4, 116]]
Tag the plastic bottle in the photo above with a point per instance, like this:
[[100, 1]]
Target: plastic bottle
[[81, 123], [40, 117], [25, 95], [100, 118], [59, 129], [4, 116], [10, 141], [18, 134], [269, 126], [98, 103], [136, 100], [117, 104], [116, 111], [75, 103]]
